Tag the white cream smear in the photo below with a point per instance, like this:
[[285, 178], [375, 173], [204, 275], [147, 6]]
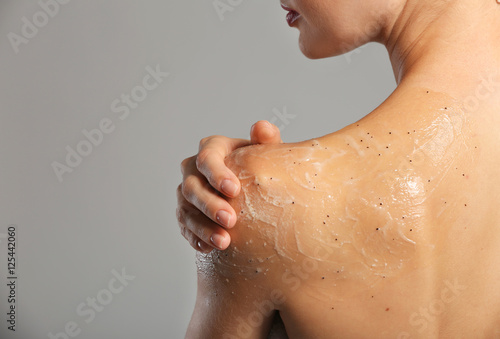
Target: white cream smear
[[361, 226]]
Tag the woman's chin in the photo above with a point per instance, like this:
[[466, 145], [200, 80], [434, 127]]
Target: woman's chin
[[312, 51], [320, 49]]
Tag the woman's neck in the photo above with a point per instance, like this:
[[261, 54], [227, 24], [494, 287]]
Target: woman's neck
[[449, 46]]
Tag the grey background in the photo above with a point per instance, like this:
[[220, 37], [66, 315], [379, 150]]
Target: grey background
[[117, 208]]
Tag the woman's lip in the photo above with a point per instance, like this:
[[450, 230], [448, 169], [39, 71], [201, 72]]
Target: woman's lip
[[286, 8], [292, 15]]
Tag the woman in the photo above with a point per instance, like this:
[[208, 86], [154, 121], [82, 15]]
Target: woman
[[407, 196]]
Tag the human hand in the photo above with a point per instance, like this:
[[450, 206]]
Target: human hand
[[201, 211]]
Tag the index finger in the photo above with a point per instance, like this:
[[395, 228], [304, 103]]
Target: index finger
[[210, 162]]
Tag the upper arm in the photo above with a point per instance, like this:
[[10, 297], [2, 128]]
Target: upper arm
[[238, 291], [230, 306]]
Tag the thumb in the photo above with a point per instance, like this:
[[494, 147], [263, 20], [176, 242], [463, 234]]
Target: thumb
[[263, 132]]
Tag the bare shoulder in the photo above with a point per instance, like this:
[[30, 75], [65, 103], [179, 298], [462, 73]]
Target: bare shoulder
[[285, 187], [351, 201]]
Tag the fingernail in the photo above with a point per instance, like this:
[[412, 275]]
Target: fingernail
[[217, 240], [224, 218], [228, 187], [203, 247], [252, 128]]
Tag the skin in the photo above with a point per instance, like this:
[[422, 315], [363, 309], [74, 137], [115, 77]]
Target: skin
[[393, 236]]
